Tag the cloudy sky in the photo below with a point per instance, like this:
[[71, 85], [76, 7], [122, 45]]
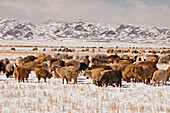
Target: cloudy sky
[[140, 12]]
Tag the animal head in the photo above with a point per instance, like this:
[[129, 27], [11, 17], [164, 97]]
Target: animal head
[[50, 75], [7, 74], [87, 73]]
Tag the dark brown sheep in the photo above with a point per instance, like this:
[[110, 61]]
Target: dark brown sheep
[[9, 70], [29, 58], [127, 73], [2, 67], [109, 77], [143, 72], [21, 72], [42, 73]]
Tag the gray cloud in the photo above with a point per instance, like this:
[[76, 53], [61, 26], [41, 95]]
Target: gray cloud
[[128, 11]]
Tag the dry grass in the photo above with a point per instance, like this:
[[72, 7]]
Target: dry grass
[[81, 98], [55, 97]]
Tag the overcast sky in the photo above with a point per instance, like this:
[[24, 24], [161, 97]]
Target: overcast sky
[[140, 12]]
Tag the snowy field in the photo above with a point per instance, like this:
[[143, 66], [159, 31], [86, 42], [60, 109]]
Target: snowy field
[[84, 97], [79, 42]]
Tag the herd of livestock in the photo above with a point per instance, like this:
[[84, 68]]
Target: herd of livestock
[[103, 69]]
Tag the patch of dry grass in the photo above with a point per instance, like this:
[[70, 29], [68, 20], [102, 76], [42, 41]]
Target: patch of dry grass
[[55, 97]]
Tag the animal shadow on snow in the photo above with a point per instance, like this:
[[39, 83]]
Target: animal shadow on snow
[[125, 86], [2, 79], [82, 81]]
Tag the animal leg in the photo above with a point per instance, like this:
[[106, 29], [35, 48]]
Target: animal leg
[[23, 79], [62, 80], [158, 83], [148, 81], [44, 79], [120, 82], [75, 80], [162, 83], [94, 81], [27, 79], [15, 76], [67, 80], [106, 84], [19, 79], [38, 79]]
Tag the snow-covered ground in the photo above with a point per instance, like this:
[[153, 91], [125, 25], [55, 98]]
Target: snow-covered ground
[[84, 97], [77, 42]]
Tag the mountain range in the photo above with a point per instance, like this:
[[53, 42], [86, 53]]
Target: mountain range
[[11, 29]]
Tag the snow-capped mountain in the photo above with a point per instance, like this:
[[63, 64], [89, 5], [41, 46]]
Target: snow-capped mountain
[[17, 30]]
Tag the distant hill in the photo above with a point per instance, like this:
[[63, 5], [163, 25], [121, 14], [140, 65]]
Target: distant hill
[[16, 30]]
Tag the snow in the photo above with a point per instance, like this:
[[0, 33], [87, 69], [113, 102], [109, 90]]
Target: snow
[[17, 30], [79, 42], [84, 97]]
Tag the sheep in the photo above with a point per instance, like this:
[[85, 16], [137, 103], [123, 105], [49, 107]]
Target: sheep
[[114, 66], [5, 62], [16, 73], [30, 65], [124, 57], [12, 48], [9, 70], [67, 73], [159, 75], [168, 74], [83, 66], [104, 66], [164, 59], [143, 72], [97, 61], [122, 63], [101, 56], [17, 61], [85, 59], [64, 56], [21, 72], [110, 77], [43, 65], [76, 57], [127, 73], [22, 62], [2, 67], [57, 63], [55, 55], [72, 62], [94, 74], [35, 49], [29, 58], [40, 55], [54, 49], [113, 58], [147, 63], [39, 60], [42, 73]]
